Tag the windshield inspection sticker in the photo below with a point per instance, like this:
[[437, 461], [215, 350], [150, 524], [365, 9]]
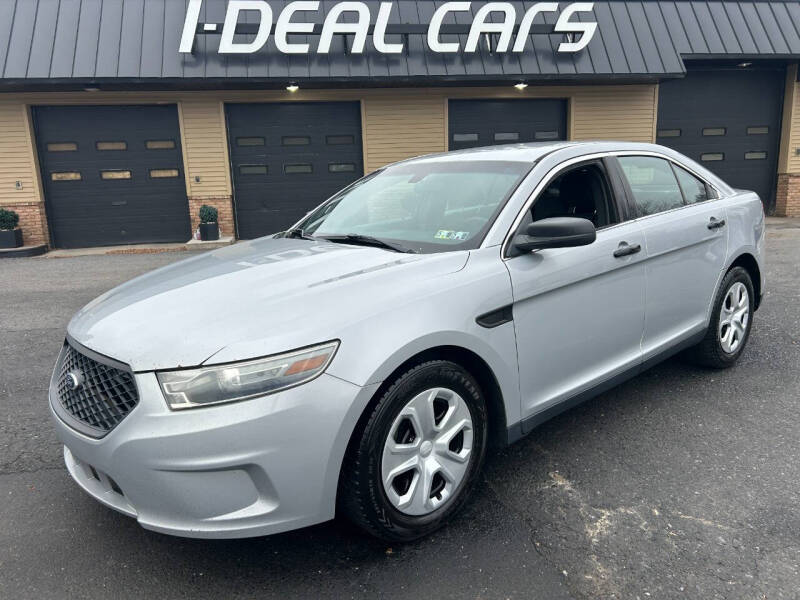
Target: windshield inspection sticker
[[445, 234]]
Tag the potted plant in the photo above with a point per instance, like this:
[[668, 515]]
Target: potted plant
[[209, 229], [10, 234]]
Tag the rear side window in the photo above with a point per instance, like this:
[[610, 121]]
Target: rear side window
[[653, 184], [693, 189]]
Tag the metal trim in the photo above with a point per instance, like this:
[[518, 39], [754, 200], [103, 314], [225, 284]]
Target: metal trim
[[96, 356]]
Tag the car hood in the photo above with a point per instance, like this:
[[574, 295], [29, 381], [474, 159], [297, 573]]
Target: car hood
[[250, 299]]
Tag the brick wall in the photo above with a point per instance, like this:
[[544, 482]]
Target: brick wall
[[224, 206], [32, 221], [787, 202]]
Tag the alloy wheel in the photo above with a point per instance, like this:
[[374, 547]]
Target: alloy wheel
[[427, 452], [734, 318]]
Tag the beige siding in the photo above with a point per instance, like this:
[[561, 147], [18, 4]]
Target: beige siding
[[17, 162], [789, 160], [205, 150], [793, 163], [621, 113], [399, 127]]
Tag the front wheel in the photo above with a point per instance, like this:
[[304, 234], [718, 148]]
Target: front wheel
[[419, 454], [731, 321]]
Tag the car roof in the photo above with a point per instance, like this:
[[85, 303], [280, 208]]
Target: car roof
[[532, 152]]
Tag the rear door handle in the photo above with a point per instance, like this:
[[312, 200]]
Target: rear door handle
[[626, 249], [715, 224]]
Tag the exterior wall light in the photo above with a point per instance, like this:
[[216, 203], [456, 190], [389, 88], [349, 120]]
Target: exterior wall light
[[521, 85], [292, 87]]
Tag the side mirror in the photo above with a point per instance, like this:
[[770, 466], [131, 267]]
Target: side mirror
[[556, 232]]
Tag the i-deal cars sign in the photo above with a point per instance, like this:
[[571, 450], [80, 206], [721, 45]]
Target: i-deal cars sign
[[495, 18]]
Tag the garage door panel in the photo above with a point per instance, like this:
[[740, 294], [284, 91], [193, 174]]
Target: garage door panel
[[112, 174], [744, 107], [475, 123], [281, 157]]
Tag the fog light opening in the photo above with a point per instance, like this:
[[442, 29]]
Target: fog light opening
[[114, 486]]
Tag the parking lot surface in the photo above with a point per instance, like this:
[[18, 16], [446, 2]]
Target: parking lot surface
[[681, 483]]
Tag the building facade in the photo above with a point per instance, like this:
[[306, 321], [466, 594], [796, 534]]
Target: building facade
[[120, 118]]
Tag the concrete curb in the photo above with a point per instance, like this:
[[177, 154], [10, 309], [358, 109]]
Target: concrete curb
[[191, 245]]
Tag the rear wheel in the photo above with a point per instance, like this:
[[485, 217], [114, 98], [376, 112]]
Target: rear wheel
[[731, 321], [419, 454]]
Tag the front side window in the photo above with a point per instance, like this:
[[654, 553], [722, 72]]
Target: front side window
[[652, 183], [581, 191], [694, 190], [428, 207]]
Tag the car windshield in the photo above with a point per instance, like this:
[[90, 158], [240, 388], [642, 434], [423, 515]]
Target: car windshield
[[423, 207]]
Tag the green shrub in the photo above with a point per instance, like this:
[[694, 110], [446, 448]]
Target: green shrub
[[208, 214], [8, 219]]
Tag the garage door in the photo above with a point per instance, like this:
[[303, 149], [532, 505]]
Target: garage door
[[475, 123], [112, 174], [729, 121], [288, 158]]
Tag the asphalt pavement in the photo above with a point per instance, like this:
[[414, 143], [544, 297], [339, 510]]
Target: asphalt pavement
[[681, 483]]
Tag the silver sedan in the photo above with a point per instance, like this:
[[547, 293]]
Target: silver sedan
[[362, 362]]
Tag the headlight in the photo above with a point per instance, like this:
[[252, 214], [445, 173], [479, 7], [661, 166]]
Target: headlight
[[238, 381]]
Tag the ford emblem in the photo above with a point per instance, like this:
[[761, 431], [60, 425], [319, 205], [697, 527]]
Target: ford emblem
[[74, 380]]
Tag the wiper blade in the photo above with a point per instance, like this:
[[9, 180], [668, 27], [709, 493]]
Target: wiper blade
[[298, 234], [368, 240]]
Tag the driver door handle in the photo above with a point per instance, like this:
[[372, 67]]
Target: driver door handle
[[626, 250]]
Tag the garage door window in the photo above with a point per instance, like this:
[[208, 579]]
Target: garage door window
[[160, 144], [339, 140], [66, 176], [465, 137], [253, 169], [506, 137], [758, 130], [250, 141], [714, 131], [669, 133], [113, 146], [115, 174], [295, 140], [62, 147], [301, 169], [341, 168], [164, 173], [693, 189], [652, 183], [755, 156], [547, 135]]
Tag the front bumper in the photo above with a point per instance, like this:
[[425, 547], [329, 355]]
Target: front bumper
[[249, 468]]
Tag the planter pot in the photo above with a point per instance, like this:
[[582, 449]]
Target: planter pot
[[209, 232], [11, 238]]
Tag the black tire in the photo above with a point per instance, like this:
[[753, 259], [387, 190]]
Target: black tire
[[362, 497], [709, 352]]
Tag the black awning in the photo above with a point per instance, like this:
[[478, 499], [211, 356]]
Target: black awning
[[138, 41]]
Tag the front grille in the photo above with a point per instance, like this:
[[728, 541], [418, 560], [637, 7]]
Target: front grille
[[104, 395]]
